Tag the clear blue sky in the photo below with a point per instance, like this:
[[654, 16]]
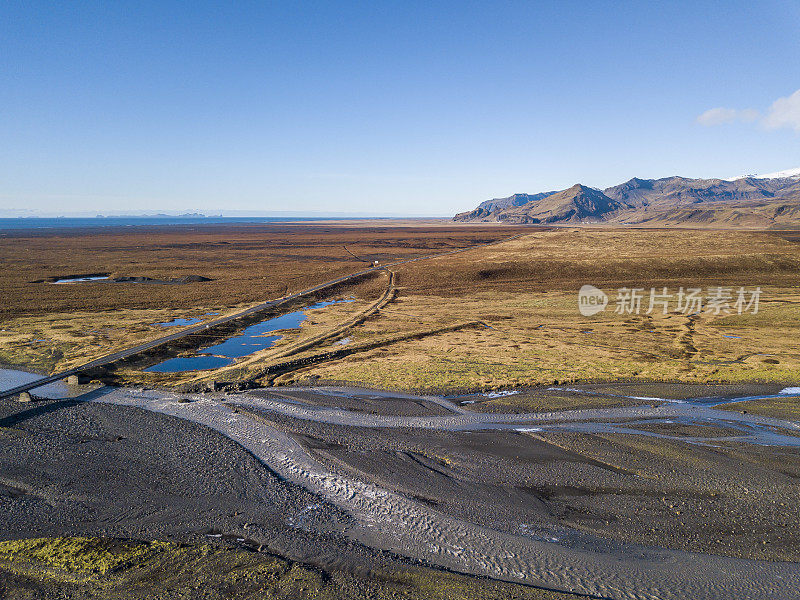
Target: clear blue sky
[[383, 107]]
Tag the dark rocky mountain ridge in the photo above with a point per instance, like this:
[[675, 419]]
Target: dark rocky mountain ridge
[[575, 204], [747, 201]]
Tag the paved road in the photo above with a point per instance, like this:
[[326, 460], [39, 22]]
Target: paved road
[[115, 356]]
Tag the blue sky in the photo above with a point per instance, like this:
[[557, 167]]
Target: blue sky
[[383, 107]]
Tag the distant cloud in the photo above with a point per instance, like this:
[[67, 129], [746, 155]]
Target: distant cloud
[[720, 115], [783, 114]]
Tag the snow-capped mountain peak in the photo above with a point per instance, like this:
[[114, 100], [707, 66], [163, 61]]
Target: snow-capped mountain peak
[[793, 173]]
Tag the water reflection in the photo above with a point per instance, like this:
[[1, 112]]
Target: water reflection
[[80, 279], [251, 340], [189, 363]]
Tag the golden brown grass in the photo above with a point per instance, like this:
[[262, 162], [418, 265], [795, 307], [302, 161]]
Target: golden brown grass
[[564, 259], [248, 263], [111, 569], [524, 289], [50, 326]]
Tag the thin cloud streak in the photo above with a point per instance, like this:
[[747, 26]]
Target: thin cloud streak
[[721, 115], [784, 113]]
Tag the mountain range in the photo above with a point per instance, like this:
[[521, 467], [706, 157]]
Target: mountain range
[[756, 201]]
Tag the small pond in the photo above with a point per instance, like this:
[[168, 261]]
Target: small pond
[[251, 340], [10, 378], [189, 363], [80, 279]]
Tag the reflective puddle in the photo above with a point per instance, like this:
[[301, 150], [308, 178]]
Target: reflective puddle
[[750, 432], [710, 401], [10, 378], [189, 363], [79, 279], [251, 340]]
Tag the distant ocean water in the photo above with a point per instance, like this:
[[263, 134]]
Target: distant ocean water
[[83, 222]]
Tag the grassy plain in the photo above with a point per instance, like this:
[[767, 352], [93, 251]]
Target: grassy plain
[[106, 568], [48, 326], [247, 263], [524, 291]]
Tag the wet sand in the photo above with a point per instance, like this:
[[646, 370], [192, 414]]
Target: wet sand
[[478, 493], [401, 523]]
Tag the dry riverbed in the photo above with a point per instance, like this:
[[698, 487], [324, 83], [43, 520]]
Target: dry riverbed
[[361, 473]]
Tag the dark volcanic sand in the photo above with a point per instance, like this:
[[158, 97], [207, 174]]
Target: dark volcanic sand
[[366, 401], [734, 499], [95, 469], [74, 468]]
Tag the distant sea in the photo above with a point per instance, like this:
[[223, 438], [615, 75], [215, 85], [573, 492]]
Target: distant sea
[[83, 222]]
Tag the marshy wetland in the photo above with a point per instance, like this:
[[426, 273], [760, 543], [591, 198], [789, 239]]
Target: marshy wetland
[[404, 433]]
